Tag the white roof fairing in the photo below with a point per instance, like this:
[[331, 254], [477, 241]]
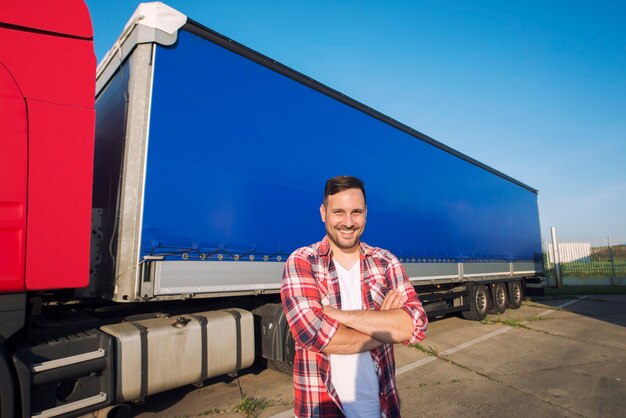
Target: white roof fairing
[[158, 16], [151, 22]]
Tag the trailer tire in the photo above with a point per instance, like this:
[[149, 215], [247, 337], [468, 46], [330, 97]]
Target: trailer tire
[[516, 294], [479, 304], [500, 298], [7, 385], [289, 350]]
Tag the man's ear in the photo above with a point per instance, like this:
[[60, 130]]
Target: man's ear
[[323, 212]]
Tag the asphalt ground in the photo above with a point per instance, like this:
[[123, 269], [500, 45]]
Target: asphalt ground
[[553, 357]]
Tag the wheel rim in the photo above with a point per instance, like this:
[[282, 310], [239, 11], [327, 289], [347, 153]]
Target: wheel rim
[[517, 293], [481, 300], [500, 296]]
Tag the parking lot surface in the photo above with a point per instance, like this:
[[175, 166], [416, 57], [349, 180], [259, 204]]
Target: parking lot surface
[[561, 357]]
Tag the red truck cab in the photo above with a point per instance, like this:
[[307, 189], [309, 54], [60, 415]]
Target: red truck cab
[[47, 83]]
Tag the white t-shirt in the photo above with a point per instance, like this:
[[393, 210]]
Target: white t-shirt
[[353, 375]]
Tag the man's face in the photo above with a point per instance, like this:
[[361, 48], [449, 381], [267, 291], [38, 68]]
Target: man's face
[[344, 216]]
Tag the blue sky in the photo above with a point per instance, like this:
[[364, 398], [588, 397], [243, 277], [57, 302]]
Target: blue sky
[[534, 89]]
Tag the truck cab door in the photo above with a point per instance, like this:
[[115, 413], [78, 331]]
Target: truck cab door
[[13, 178]]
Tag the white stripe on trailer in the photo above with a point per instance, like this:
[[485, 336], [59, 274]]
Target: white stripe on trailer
[[420, 278], [505, 273]]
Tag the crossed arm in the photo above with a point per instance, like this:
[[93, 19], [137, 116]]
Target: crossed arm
[[365, 330], [318, 328]]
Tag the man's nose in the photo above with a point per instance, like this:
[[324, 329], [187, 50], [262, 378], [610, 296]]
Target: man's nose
[[348, 221]]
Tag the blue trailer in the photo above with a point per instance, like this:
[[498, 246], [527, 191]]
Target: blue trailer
[[210, 161]]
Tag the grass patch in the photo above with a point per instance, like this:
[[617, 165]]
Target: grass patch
[[537, 318], [595, 268], [438, 383], [211, 411], [431, 351], [585, 290], [513, 323], [251, 406], [509, 322]]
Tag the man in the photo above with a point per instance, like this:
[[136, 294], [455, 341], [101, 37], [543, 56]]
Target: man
[[347, 303]]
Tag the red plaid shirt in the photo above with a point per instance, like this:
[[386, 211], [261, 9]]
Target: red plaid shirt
[[309, 283]]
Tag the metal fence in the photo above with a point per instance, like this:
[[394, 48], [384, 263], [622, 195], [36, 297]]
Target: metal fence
[[586, 259]]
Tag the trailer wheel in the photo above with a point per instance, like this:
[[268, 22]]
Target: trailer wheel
[[289, 350], [516, 292], [479, 304], [7, 393], [500, 298]]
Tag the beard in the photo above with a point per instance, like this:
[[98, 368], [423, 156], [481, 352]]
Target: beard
[[343, 241]]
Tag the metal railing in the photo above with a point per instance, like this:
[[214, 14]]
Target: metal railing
[[586, 259]]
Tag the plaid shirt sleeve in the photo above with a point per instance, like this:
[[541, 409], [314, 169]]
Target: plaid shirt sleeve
[[399, 280], [311, 328]]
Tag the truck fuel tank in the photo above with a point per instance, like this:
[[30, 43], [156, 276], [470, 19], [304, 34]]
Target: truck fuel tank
[[158, 354]]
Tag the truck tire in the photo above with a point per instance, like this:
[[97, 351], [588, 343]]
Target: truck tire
[[289, 347], [500, 298], [516, 294], [7, 385], [479, 304]]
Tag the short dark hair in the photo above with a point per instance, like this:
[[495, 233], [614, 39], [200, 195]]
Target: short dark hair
[[338, 184]]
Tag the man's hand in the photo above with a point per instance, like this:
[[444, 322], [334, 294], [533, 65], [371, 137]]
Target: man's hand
[[393, 300]]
